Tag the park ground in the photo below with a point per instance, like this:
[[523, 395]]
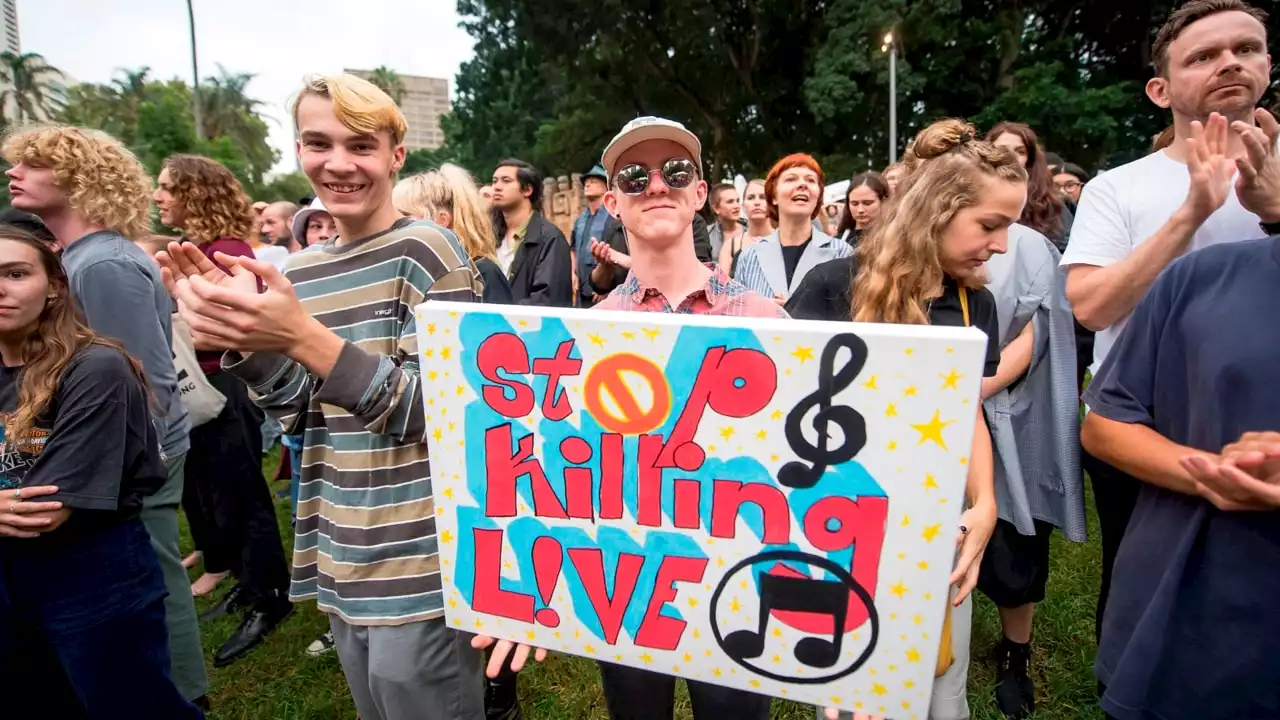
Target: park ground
[[278, 681]]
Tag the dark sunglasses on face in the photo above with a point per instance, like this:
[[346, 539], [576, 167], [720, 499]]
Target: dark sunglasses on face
[[677, 173]]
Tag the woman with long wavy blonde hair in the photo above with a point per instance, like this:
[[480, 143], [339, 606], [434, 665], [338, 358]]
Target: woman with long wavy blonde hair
[[80, 453], [449, 198], [922, 264]]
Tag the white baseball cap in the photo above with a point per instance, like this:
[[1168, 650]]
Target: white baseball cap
[[650, 128]]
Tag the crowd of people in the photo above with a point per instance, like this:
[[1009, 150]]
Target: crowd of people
[[143, 374]]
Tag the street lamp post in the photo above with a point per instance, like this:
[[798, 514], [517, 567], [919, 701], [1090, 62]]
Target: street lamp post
[[195, 73], [891, 46]]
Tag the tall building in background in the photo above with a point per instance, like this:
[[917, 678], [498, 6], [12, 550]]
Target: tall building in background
[[12, 41], [425, 100]]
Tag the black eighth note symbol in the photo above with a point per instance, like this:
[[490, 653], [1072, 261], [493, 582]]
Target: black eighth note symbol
[[853, 427], [807, 595], [778, 592]]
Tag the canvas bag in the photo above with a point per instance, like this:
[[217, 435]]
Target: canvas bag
[[202, 399]]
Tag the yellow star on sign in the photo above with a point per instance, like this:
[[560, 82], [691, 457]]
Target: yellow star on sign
[[870, 384], [430, 352], [595, 339], [651, 334], [913, 655], [802, 353], [734, 606], [878, 689], [893, 444], [931, 532], [531, 635], [432, 375], [716, 672], [891, 411], [445, 352], [777, 415], [949, 380], [900, 590], [726, 432], [454, 603], [910, 391], [932, 430], [929, 482], [446, 536], [431, 329], [438, 435], [906, 520], [646, 658], [627, 334], [762, 435], [448, 492], [461, 389], [754, 683], [589, 649]]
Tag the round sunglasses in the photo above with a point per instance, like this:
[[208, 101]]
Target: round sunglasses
[[678, 173]]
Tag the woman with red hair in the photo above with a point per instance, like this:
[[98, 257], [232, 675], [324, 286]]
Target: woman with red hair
[[775, 266]]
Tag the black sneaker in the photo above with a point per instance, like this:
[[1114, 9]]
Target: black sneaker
[[1015, 692]]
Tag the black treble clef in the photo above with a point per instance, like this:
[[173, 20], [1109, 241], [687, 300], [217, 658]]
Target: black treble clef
[[853, 426]]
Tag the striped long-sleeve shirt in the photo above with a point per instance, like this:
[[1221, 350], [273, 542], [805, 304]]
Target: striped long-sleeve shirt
[[365, 544]]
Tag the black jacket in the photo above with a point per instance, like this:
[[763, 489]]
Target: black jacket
[[496, 288], [542, 270], [615, 236]]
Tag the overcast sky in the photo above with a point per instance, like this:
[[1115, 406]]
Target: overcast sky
[[279, 41]]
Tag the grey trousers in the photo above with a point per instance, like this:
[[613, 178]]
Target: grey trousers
[[160, 516], [417, 671], [950, 700]]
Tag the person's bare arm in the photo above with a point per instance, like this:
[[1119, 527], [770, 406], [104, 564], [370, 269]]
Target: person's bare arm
[[1015, 358], [1140, 451], [1102, 296]]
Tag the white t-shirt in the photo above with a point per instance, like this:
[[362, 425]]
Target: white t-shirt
[[1122, 209]]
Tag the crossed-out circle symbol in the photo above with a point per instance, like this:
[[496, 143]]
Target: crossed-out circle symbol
[[606, 376]]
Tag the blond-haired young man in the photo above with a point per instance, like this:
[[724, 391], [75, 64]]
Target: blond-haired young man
[[330, 348], [95, 197]]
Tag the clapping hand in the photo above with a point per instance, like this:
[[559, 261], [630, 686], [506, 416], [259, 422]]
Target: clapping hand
[[1258, 186], [1210, 168], [607, 256], [224, 310], [1246, 476]]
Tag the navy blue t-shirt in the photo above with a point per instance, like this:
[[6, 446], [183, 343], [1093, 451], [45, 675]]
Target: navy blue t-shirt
[[1192, 627]]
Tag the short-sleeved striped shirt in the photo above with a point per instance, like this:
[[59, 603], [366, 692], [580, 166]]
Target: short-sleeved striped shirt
[[365, 544]]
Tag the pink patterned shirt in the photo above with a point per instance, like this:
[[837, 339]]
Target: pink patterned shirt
[[721, 296]]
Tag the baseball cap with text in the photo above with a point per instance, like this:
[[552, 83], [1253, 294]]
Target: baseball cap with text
[[650, 128]]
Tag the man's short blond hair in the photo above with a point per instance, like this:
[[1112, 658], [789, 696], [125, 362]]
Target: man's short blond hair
[[360, 105], [103, 180]]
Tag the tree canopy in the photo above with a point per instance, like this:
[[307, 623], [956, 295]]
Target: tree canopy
[[154, 118], [756, 79]]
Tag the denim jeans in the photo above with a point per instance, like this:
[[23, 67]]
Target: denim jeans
[[84, 624]]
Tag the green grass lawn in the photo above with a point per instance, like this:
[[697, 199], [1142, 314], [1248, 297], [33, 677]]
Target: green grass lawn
[[278, 681]]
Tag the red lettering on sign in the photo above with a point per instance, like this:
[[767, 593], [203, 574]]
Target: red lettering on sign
[[659, 631], [487, 594], [590, 566], [555, 402], [502, 470], [727, 499], [505, 351]]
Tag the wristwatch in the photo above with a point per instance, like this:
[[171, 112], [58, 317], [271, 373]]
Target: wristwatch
[[1270, 228]]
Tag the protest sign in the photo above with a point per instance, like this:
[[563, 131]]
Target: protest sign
[[764, 504]]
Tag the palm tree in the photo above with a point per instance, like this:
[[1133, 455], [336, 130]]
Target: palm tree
[[389, 82], [31, 86]]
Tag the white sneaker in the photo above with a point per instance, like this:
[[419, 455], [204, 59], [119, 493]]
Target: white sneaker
[[321, 645]]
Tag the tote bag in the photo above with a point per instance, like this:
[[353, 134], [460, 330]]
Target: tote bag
[[202, 400]]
